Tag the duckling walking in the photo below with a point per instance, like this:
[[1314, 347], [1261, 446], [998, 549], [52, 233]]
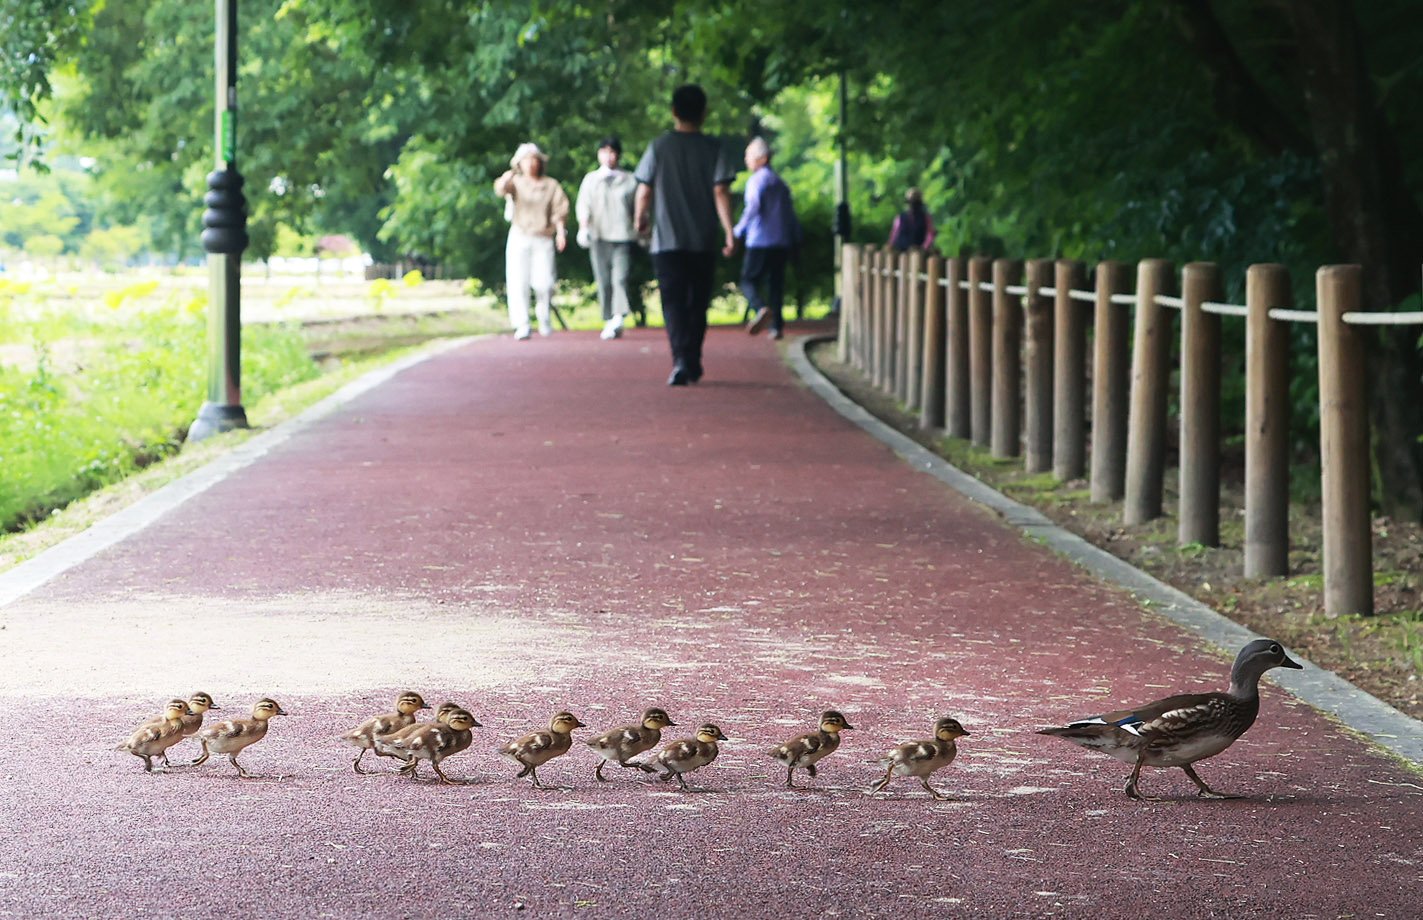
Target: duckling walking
[[923, 758], [620, 745], [198, 704], [1181, 730], [364, 736], [805, 751], [690, 754], [534, 750], [433, 741], [234, 735], [155, 737]]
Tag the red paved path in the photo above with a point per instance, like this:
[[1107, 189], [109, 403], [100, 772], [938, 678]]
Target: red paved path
[[537, 525]]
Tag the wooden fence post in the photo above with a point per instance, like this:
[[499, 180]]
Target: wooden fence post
[[914, 341], [958, 383], [1150, 380], [980, 354], [847, 302], [885, 322], [1038, 356], [891, 321], [1344, 445], [1004, 435], [1198, 519], [1110, 379], [931, 387], [1267, 423], [860, 318], [901, 327], [1069, 366]]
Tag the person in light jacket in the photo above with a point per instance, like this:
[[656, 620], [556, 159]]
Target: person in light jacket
[[769, 229], [606, 230], [537, 225]]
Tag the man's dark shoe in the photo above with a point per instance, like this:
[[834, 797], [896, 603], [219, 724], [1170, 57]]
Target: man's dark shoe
[[758, 322], [679, 377], [694, 373]]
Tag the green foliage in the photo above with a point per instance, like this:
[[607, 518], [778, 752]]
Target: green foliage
[[74, 423]]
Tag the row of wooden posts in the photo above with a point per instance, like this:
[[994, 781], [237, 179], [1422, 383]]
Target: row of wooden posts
[[996, 352]]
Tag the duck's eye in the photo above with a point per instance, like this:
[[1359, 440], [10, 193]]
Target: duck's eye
[[1276, 650]]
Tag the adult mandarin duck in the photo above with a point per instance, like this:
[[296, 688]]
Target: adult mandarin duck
[[1182, 730]]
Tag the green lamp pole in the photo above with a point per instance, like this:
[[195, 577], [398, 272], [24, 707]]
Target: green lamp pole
[[224, 238]]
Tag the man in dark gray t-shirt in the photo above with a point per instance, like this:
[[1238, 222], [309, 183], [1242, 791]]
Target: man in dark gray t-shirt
[[683, 195]]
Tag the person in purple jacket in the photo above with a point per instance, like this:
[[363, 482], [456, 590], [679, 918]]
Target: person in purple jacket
[[769, 230], [913, 227]]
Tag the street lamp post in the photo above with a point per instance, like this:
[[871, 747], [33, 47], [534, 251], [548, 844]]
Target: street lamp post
[[842, 186], [224, 238]]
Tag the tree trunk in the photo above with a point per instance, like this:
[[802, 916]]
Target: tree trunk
[[1376, 222]]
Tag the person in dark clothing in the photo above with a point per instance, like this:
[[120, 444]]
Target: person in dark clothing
[[913, 228], [683, 194], [770, 230]]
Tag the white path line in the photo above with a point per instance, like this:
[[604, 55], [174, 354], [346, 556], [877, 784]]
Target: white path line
[[58, 559], [1324, 690]]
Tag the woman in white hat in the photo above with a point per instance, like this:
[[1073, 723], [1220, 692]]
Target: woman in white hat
[[537, 222]]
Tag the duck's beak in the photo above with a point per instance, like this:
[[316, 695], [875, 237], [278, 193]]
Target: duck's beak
[[1291, 663], [670, 723], [475, 723], [847, 725], [967, 732], [213, 707], [281, 711]]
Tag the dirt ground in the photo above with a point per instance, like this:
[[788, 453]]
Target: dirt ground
[[1382, 654]]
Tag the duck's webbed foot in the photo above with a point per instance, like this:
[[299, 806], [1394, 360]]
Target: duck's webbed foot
[[1206, 791]]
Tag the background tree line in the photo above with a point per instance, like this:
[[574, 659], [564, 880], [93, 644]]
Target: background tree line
[[1234, 131]]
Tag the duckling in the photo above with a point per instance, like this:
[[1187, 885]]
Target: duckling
[[534, 750], [690, 754], [363, 736], [198, 704], [433, 741], [156, 736], [232, 736], [921, 758], [1180, 730], [383, 742], [620, 745], [807, 750]]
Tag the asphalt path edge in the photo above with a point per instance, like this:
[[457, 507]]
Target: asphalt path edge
[[1396, 732], [63, 556]]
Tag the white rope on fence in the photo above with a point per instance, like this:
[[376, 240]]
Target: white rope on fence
[[944, 282], [1016, 290], [1128, 299], [1294, 316], [924, 277], [1225, 309], [1089, 296], [1047, 292], [1384, 319], [965, 286], [1166, 300]]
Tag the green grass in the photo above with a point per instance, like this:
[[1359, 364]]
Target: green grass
[[88, 397]]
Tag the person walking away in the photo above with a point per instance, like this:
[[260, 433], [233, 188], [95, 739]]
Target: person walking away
[[769, 230], [607, 231], [913, 228], [683, 194], [537, 226]]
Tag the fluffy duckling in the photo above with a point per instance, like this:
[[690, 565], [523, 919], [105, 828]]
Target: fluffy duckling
[[233, 735], [433, 741], [156, 736], [363, 736], [807, 750], [1180, 730], [689, 754], [534, 750], [198, 704], [383, 742], [620, 745], [921, 758]]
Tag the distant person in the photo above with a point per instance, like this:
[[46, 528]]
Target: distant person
[[537, 224], [607, 231], [683, 194], [769, 230], [913, 228]]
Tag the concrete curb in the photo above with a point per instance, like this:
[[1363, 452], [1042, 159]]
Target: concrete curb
[[53, 562], [1320, 688]]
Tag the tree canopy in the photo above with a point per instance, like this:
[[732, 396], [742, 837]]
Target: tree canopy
[[1234, 131]]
